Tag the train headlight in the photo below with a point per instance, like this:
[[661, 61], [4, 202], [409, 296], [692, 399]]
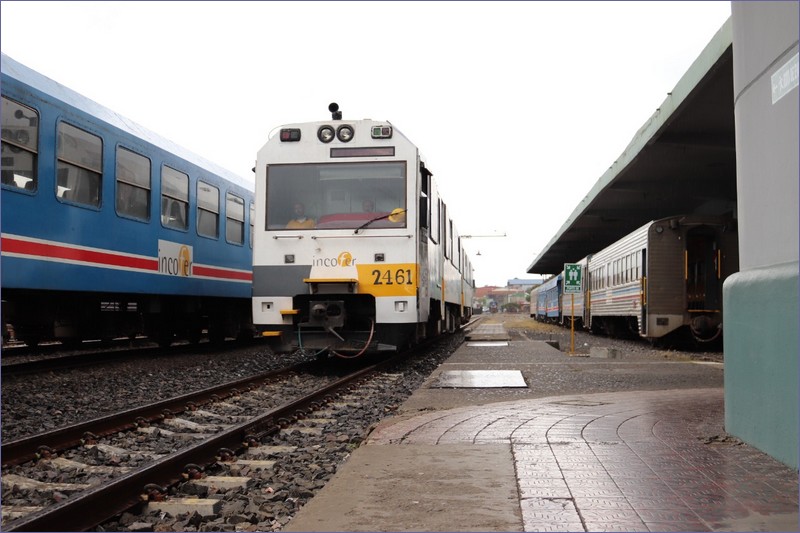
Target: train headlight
[[290, 135], [325, 134], [345, 133], [381, 132]]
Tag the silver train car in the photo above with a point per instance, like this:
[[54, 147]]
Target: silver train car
[[663, 279], [354, 250]]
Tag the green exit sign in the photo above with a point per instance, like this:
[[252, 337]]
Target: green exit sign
[[573, 282]]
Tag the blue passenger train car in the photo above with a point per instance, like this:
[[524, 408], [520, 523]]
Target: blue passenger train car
[[546, 300], [110, 230]]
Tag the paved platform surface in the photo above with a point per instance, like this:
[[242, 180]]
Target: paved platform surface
[[654, 460]]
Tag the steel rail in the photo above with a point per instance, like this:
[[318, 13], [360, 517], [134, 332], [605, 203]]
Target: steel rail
[[25, 449], [94, 506]]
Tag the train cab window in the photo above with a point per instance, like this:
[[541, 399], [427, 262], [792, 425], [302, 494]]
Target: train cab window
[[234, 219], [133, 184], [207, 210], [79, 174], [331, 196], [174, 199], [19, 145]]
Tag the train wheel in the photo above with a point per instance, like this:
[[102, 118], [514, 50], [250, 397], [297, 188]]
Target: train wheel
[[32, 341], [194, 335], [72, 343], [216, 334], [164, 339]]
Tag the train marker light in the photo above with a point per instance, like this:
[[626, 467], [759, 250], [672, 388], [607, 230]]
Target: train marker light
[[290, 135], [381, 132], [345, 133], [325, 134]]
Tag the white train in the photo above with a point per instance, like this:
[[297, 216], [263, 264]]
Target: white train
[[354, 251]]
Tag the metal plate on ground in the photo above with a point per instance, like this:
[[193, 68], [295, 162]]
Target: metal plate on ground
[[488, 343], [479, 379]]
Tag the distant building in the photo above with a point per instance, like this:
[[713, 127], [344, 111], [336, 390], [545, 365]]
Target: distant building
[[525, 284], [512, 296]]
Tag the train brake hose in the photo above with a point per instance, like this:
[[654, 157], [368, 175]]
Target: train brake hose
[[359, 354], [300, 344]]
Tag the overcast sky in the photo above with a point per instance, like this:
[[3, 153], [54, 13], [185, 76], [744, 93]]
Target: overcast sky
[[518, 107]]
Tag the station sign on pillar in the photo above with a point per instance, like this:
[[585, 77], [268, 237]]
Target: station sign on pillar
[[573, 284]]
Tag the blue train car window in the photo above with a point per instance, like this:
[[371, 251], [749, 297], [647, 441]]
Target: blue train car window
[[174, 198], [133, 184], [79, 174], [207, 210], [234, 219], [19, 145]]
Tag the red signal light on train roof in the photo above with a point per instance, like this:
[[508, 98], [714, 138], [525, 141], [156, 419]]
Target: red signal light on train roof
[[381, 132], [290, 135]]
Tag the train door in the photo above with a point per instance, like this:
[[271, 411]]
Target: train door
[[703, 283], [426, 206], [643, 281]]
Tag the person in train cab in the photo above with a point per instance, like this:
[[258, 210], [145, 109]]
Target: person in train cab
[[368, 206], [300, 220]]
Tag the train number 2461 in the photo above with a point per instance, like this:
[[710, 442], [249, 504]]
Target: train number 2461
[[400, 276]]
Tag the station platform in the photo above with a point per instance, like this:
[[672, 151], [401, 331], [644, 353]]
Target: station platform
[[475, 450]]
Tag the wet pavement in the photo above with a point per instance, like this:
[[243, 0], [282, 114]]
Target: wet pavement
[[620, 462], [653, 460]]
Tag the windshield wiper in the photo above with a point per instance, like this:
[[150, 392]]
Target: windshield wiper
[[387, 215]]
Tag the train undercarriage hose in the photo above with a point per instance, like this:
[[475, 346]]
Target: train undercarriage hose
[[334, 352]]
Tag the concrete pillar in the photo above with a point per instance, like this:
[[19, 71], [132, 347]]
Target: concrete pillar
[[761, 301]]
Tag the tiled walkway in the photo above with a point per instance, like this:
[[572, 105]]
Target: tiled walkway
[[624, 461]]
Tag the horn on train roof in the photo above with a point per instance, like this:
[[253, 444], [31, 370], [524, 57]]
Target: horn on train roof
[[335, 113]]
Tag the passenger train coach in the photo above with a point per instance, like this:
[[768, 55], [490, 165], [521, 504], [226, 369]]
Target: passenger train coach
[[110, 230], [355, 252], [663, 279]]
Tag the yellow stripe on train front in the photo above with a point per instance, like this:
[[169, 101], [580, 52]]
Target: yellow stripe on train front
[[397, 279]]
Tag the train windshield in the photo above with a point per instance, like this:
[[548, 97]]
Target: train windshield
[[336, 195]]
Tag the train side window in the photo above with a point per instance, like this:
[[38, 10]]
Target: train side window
[[174, 198], [435, 210], [79, 176], [424, 198], [445, 231], [133, 184], [252, 221], [207, 210], [234, 219], [638, 264], [20, 145], [625, 265]]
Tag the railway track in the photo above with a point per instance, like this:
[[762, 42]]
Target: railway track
[[60, 465]]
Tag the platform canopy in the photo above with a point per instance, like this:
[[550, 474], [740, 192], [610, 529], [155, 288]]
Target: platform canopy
[[681, 161]]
